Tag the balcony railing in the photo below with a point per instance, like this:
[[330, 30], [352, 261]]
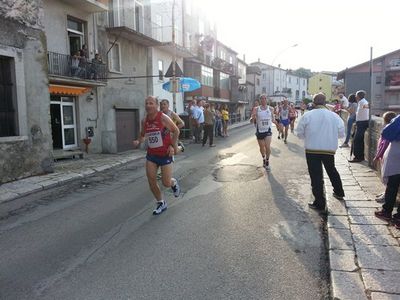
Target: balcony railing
[[75, 67]]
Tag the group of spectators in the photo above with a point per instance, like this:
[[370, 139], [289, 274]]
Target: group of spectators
[[82, 67], [208, 121], [322, 141]]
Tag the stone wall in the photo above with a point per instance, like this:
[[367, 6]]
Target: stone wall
[[371, 144], [22, 39]]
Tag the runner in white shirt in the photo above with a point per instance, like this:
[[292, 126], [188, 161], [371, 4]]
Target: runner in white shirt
[[263, 117]]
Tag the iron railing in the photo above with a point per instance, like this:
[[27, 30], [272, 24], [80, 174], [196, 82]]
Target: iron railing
[[126, 17], [76, 67]]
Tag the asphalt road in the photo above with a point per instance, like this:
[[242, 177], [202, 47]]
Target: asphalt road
[[236, 232]]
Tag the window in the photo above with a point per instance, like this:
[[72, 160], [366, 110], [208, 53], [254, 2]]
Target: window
[[8, 107], [264, 76], [76, 34], [224, 81], [160, 70], [258, 81], [206, 76], [303, 94], [222, 55], [188, 6], [201, 27], [114, 58], [264, 90], [158, 27], [378, 79], [304, 82], [297, 94], [188, 43], [297, 80], [230, 59], [290, 79]]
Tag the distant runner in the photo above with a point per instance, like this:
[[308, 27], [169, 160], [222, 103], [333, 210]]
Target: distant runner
[[284, 118], [164, 106], [162, 135], [263, 117]]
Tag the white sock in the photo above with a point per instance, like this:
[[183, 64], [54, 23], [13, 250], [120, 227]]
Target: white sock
[[174, 181]]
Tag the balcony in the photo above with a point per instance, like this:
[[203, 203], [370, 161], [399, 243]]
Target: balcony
[[89, 6], [223, 66], [392, 81], [127, 24], [66, 69]]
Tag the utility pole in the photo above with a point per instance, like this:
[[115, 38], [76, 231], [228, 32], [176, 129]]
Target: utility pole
[[371, 85], [174, 82]]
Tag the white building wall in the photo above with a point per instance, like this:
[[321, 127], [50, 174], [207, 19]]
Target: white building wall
[[158, 91], [161, 16], [55, 26]]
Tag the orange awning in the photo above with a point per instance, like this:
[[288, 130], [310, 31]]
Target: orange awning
[[67, 90]]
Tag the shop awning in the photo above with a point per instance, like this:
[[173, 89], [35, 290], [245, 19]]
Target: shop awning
[[67, 90]]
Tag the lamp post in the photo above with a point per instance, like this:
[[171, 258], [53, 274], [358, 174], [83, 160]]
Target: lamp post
[[272, 64]]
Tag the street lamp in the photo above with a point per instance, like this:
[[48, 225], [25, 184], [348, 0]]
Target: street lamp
[[272, 64]]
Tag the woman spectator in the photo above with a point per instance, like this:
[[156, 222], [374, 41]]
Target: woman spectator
[[293, 114], [225, 120], [382, 146], [218, 122], [391, 172], [352, 118]]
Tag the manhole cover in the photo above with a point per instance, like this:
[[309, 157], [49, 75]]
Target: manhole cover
[[237, 173]]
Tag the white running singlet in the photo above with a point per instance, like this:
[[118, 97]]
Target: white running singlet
[[284, 113], [264, 119]]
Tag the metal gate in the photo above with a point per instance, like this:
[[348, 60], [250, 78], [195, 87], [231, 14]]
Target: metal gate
[[128, 126]]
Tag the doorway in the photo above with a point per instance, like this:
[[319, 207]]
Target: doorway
[[127, 128], [63, 122]]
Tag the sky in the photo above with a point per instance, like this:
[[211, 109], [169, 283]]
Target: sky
[[330, 35]]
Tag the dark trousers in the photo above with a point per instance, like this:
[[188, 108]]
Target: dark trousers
[[197, 133], [358, 142], [392, 188], [350, 122], [314, 163], [208, 133]]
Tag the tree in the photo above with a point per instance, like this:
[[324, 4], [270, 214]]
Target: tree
[[303, 72]]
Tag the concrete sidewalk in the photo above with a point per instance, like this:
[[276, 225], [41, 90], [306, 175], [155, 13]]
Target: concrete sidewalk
[[73, 169], [364, 251]]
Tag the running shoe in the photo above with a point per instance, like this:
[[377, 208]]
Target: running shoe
[[266, 166], [181, 146], [384, 215], [279, 136], [161, 206], [344, 145], [285, 141], [176, 189]]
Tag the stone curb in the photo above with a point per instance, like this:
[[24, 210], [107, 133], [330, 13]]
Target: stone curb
[[363, 250], [23, 187]]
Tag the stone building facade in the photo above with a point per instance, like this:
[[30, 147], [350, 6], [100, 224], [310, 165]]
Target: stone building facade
[[25, 136]]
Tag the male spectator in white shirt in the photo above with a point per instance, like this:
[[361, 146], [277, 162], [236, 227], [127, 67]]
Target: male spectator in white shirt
[[362, 122], [343, 101], [198, 117], [321, 129]]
